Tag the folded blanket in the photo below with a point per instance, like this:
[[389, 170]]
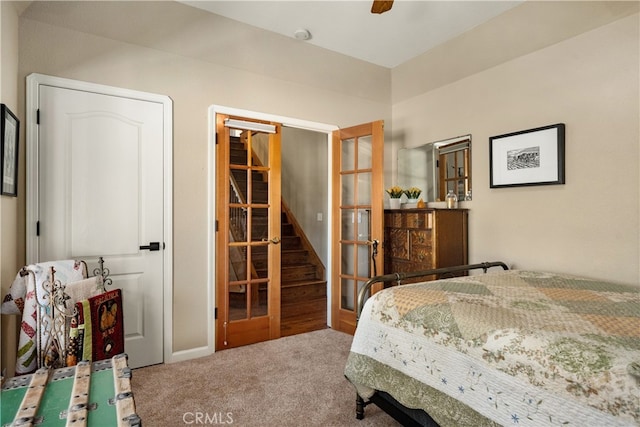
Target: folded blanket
[[83, 289]]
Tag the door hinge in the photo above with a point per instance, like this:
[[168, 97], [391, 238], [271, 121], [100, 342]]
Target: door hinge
[[216, 225], [215, 314], [38, 116], [37, 228]]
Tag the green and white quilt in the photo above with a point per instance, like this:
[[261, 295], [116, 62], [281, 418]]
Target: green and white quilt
[[510, 348]]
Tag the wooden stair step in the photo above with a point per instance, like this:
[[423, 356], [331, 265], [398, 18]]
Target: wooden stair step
[[303, 316], [291, 242], [303, 283], [237, 150], [258, 183], [287, 230], [305, 309], [288, 256], [294, 272], [294, 256], [302, 291], [301, 272]]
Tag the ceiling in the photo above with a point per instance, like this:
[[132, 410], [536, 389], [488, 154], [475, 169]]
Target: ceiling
[[409, 29]]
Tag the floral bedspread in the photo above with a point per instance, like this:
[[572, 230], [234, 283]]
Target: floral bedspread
[[508, 348]]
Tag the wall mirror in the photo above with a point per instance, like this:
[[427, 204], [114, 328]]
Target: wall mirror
[[437, 167]]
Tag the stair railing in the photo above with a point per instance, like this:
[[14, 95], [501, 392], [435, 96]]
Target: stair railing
[[237, 215], [237, 220]]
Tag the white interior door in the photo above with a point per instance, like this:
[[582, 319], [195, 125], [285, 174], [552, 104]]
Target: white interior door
[[100, 187]]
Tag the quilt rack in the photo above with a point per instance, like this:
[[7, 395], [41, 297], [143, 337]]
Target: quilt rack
[[54, 316]]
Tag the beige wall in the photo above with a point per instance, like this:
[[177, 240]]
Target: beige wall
[[11, 208], [194, 83], [589, 82], [529, 27]]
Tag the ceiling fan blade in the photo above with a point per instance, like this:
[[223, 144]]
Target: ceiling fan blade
[[381, 6]]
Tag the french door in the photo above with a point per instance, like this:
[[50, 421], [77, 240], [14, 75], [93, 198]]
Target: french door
[[248, 212], [357, 209]]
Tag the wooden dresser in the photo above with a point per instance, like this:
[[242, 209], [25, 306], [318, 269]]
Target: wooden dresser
[[420, 239]]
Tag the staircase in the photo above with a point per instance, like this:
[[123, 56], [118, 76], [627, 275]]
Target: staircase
[[303, 287]]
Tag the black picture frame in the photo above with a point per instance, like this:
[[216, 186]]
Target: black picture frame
[[9, 146], [528, 157]]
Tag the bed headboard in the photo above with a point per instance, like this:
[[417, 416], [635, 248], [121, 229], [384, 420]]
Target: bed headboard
[[365, 292]]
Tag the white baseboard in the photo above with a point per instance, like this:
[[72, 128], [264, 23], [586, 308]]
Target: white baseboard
[[193, 353]]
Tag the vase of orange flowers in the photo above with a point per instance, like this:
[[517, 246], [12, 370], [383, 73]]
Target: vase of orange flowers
[[395, 193]]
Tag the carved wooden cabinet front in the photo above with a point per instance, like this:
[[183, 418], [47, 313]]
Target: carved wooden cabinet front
[[420, 239]]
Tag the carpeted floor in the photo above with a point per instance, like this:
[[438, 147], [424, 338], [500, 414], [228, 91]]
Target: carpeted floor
[[292, 381]]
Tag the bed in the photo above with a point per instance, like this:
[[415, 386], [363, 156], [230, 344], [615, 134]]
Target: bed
[[507, 347]]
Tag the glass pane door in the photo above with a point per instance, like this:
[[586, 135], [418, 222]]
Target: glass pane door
[[248, 235], [358, 208]]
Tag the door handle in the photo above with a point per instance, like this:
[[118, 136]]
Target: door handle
[[275, 240], [153, 246]]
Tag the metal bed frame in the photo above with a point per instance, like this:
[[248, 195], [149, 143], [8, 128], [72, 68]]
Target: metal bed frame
[[386, 402]]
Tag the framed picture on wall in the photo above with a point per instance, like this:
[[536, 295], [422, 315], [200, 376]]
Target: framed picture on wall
[[9, 133], [528, 157]]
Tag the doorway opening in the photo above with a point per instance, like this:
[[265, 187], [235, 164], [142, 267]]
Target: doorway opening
[[305, 231]]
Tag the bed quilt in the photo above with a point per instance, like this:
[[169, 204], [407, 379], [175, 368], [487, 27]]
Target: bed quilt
[[510, 348]]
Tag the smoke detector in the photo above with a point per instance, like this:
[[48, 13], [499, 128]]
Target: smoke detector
[[302, 34]]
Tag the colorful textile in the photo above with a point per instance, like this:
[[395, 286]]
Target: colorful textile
[[26, 297], [79, 292], [66, 271], [13, 302], [514, 347], [101, 326]]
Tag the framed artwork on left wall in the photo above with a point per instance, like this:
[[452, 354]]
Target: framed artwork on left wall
[[9, 134]]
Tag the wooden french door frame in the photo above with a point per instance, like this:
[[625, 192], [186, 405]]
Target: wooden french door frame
[[248, 297], [326, 129], [357, 197], [213, 285]]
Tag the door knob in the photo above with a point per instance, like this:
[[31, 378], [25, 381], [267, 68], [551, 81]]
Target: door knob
[[153, 246], [275, 240]]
